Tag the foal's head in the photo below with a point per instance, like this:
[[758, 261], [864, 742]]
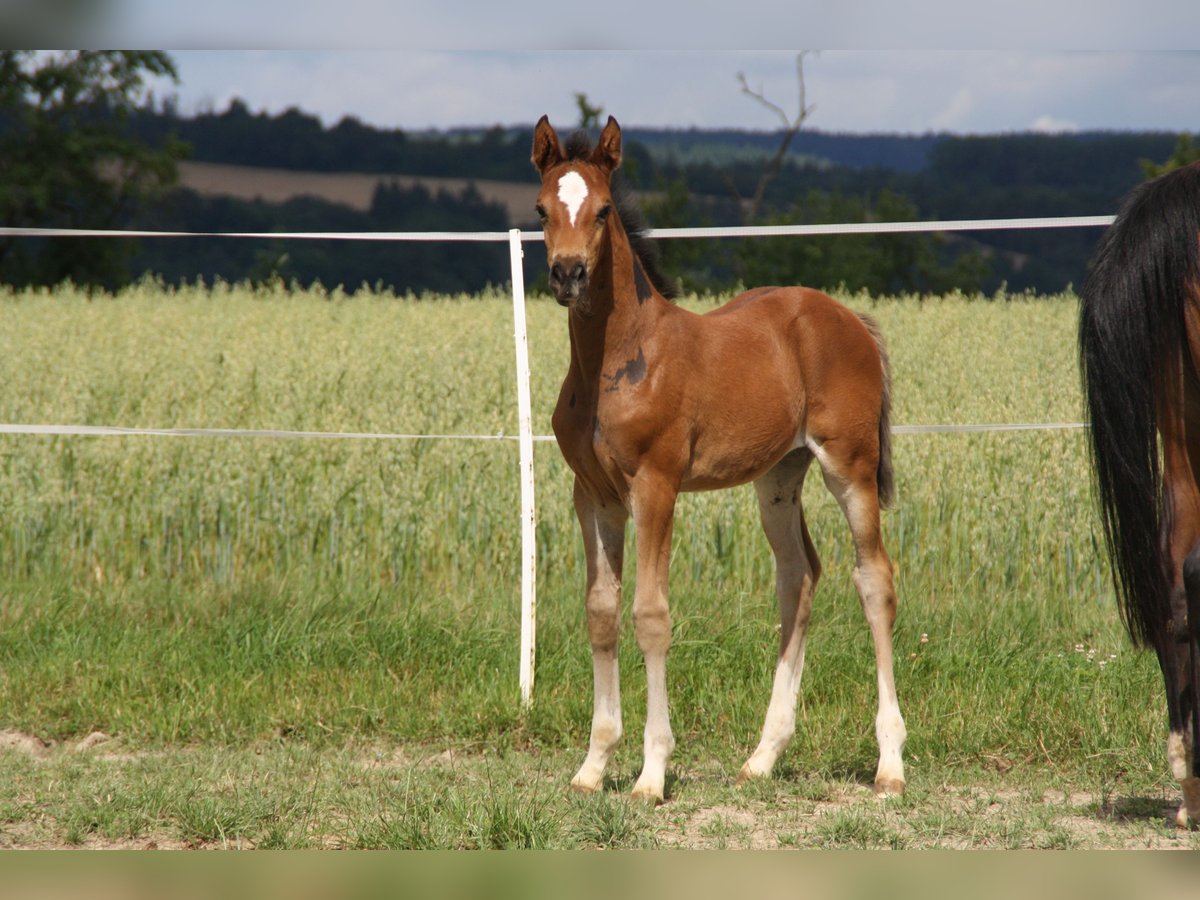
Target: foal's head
[[575, 206]]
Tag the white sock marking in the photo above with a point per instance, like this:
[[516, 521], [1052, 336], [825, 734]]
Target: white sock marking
[[572, 191]]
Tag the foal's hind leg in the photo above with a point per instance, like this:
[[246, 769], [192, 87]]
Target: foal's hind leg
[[850, 474], [603, 527], [796, 572]]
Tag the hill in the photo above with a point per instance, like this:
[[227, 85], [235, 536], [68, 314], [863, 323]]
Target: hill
[[353, 189], [282, 170]]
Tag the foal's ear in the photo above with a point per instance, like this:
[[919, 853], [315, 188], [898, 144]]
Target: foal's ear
[[607, 154], [547, 151]]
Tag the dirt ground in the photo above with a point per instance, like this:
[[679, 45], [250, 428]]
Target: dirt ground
[[706, 812]]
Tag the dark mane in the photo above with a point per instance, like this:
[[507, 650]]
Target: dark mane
[[578, 147]]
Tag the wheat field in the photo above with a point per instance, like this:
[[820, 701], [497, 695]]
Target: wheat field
[[358, 599]]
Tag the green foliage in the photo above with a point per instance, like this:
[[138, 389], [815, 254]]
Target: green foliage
[[68, 159], [1186, 151], [402, 266], [692, 262], [294, 139], [878, 264], [589, 116], [693, 177]]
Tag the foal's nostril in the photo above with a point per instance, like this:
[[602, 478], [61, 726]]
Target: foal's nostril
[[568, 276]]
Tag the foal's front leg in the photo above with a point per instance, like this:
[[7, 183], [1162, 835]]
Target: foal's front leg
[[603, 526], [654, 514]]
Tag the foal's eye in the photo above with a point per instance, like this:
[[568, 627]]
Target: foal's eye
[[541, 212], [602, 216]]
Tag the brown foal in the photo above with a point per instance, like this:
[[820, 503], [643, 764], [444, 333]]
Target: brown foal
[[659, 400]]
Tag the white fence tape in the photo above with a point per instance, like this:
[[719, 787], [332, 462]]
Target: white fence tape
[[883, 227], [476, 236], [498, 236], [120, 431], [525, 436]]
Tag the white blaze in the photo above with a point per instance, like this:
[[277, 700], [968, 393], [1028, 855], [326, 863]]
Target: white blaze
[[572, 191]]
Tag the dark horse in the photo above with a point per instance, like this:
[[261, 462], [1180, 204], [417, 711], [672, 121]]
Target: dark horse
[[1139, 348], [659, 400]]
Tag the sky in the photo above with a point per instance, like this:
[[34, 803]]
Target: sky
[[904, 91], [908, 66]]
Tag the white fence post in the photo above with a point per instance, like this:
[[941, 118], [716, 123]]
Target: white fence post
[[525, 435]]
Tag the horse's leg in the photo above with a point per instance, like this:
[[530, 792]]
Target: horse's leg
[[1174, 643], [850, 475], [796, 572], [653, 502], [1183, 743], [603, 527], [1172, 652]]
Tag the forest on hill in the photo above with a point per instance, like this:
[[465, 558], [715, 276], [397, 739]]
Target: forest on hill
[[693, 177], [686, 177]]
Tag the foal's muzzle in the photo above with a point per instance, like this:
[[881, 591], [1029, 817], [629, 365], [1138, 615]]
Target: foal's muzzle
[[568, 279]]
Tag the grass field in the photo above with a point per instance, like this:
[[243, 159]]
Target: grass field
[[255, 642]]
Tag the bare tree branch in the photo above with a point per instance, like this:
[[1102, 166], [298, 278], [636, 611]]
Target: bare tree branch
[[761, 98], [791, 127]]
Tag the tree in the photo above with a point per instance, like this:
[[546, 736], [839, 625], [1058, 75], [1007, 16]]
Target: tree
[[878, 263], [791, 127], [68, 158], [589, 116], [693, 263], [1185, 152]]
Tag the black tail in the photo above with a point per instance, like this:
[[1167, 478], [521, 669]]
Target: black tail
[[1131, 337]]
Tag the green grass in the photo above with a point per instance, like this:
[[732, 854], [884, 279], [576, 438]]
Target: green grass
[[198, 597], [286, 795]]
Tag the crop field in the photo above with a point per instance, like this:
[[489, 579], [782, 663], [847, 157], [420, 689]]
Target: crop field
[[255, 642], [353, 189]]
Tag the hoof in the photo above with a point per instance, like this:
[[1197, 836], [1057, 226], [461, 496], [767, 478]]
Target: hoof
[[1183, 819], [889, 787], [747, 774], [586, 782], [588, 779], [1188, 815], [648, 796]]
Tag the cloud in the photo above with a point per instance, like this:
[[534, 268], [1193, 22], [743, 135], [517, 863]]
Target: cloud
[[1047, 124]]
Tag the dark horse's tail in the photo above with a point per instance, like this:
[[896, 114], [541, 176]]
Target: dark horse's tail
[[1132, 341]]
